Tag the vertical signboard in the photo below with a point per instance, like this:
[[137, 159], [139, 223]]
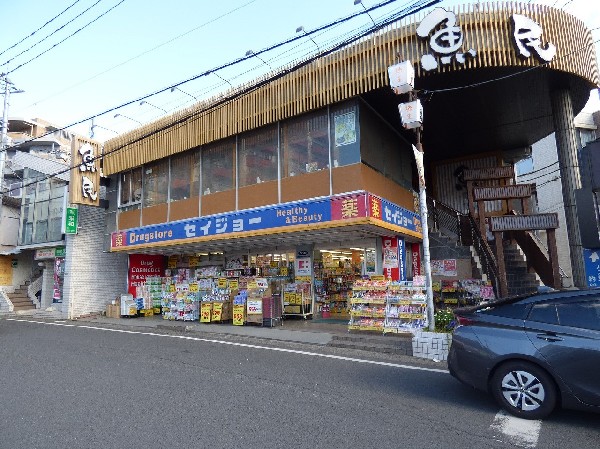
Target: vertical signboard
[[72, 215], [84, 187], [389, 252], [416, 259], [142, 266], [591, 258]]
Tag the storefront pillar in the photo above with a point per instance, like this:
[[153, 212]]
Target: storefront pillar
[[566, 144], [47, 283]]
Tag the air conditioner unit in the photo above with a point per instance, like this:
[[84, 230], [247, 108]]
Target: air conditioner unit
[[15, 190]]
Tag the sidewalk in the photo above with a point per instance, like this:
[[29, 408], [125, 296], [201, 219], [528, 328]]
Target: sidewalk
[[298, 331]]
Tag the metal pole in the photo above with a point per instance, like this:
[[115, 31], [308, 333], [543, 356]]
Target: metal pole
[[418, 152]]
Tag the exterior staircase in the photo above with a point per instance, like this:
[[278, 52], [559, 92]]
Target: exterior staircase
[[20, 299], [520, 281]]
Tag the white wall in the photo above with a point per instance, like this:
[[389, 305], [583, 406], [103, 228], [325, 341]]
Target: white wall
[[93, 277]]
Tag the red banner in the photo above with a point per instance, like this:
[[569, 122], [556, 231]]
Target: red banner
[[142, 266], [347, 207]]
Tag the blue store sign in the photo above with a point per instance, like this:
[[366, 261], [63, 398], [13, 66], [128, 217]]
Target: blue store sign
[[591, 259]]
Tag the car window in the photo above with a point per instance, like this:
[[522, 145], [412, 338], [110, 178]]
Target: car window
[[583, 314], [518, 311], [544, 313]]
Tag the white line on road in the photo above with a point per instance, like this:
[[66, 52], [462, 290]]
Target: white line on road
[[520, 432], [243, 345]]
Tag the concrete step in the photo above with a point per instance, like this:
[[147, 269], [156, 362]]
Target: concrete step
[[29, 306]]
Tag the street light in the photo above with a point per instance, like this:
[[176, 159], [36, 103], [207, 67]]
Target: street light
[[359, 2], [251, 53], [301, 29], [124, 116], [174, 88], [94, 126], [143, 102]]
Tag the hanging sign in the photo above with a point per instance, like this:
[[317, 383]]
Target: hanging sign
[[222, 283], [84, 186], [234, 284]]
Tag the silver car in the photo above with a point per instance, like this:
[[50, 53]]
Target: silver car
[[532, 353]]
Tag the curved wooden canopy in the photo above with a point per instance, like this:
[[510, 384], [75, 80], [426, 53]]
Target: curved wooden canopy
[[496, 100]]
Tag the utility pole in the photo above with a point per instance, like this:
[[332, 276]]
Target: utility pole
[[402, 81], [4, 135]]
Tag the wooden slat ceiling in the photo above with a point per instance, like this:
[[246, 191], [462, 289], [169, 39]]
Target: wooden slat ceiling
[[513, 112]]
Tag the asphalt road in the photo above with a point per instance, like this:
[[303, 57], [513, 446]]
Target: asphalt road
[[65, 386]]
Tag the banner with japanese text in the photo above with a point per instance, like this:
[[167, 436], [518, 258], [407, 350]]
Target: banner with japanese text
[[141, 266]]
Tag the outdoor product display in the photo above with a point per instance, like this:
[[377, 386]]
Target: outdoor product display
[[298, 299], [387, 306], [367, 312], [457, 293]]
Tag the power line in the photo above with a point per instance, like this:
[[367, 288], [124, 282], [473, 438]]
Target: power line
[[145, 52], [538, 170], [50, 35], [414, 8], [68, 37], [47, 23]]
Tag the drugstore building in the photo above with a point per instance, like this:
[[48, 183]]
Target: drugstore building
[[313, 172]]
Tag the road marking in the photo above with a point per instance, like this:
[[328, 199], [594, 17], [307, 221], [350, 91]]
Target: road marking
[[243, 345], [520, 432]]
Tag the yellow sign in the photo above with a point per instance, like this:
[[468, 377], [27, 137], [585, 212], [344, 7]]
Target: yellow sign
[[205, 312], [234, 284], [5, 270], [217, 311], [194, 287], [172, 288], [284, 271], [172, 262], [238, 314], [377, 277], [222, 283], [194, 261], [252, 285]]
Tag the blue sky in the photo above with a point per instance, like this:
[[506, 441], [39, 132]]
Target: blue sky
[[142, 46]]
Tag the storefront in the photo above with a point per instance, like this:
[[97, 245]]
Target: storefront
[[304, 256], [300, 192]]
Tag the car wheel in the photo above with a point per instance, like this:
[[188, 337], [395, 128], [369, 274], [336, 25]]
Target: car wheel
[[524, 390]]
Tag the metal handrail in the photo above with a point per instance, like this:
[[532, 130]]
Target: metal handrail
[[447, 218]]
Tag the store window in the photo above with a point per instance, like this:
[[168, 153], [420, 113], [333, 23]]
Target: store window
[[345, 135], [55, 209], [130, 188], [305, 144], [218, 169], [155, 183], [185, 175], [258, 157]]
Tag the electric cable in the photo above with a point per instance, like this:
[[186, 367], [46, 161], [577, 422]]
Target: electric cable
[[143, 53], [66, 38], [50, 35], [40, 28], [415, 7]]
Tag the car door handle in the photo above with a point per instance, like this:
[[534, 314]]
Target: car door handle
[[549, 337]]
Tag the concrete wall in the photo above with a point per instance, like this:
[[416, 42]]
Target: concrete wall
[[93, 277]]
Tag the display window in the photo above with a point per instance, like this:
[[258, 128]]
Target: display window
[[156, 182], [185, 176], [345, 135], [258, 157], [218, 168], [305, 144]]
